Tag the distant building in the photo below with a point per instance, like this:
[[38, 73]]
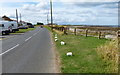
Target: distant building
[[23, 23], [6, 18]]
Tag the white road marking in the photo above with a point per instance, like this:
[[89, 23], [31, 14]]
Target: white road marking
[[28, 38], [34, 34], [9, 49]]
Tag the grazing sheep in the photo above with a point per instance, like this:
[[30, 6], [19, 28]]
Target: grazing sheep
[[69, 54], [62, 43], [56, 39]]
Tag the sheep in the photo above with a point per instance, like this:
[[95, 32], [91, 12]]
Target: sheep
[[62, 43], [56, 39], [69, 54]]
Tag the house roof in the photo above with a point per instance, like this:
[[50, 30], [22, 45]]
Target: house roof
[[6, 18]]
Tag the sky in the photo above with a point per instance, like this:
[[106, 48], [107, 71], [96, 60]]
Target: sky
[[73, 12]]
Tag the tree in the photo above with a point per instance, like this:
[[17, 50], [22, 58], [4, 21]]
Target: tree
[[39, 23]]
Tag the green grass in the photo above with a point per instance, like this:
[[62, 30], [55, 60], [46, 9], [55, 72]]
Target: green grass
[[85, 59], [47, 27], [25, 30]]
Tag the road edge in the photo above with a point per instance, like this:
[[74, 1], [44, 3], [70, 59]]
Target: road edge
[[56, 54]]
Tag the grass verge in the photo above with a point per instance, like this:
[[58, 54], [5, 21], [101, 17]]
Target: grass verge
[[109, 52], [85, 58], [24, 30]]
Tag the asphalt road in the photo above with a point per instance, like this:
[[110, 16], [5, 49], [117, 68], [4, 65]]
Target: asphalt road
[[28, 53]]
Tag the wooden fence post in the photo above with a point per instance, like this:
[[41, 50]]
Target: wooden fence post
[[62, 28], [75, 31], [99, 34], [86, 32], [117, 34], [65, 30], [59, 28]]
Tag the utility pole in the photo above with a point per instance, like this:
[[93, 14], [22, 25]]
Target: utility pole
[[51, 15], [47, 19], [20, 19], [17, 16], [20, 16]]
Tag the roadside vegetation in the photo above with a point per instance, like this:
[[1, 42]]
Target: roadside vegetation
[[109, 53], [23, 30], [47, 27], [87, 54]]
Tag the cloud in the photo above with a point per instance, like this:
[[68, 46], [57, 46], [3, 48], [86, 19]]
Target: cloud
[[89, 15], [66, 11], [68, 1], [67, 16], [20, 0], [74, 1], [97, 4], [40, 7]]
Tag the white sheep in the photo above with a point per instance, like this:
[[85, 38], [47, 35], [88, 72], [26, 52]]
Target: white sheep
[[56, 39], [69, 54], [62, 43]]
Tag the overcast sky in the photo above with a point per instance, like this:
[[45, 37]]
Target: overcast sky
[[93, 12]]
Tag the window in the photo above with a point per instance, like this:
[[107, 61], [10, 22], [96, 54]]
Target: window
[[1, 25], [12, 24]]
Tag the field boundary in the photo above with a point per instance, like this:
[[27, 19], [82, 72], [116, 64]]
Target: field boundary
[[99, 32]]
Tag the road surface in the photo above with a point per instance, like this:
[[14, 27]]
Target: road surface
[[28, 53]]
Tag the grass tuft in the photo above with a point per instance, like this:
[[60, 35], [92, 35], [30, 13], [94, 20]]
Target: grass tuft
[[109, 53]]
